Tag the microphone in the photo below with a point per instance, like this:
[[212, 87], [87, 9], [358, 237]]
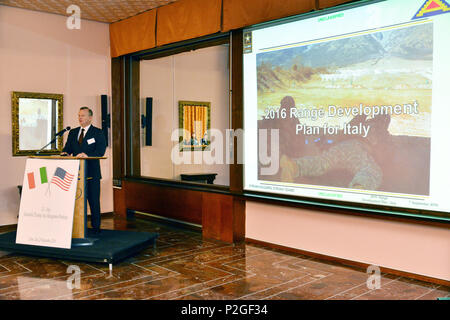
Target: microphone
[[62, 131]]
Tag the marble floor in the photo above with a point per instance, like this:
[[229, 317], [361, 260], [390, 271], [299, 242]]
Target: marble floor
[[184, 266]]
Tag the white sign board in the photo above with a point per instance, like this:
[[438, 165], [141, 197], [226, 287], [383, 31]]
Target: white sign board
[[47, 203]]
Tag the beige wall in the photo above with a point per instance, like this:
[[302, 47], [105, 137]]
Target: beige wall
[[200, 75], [39, 54], [418, 249], [156, 80]]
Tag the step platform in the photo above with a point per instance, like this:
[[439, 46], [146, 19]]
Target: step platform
[[109, 246]]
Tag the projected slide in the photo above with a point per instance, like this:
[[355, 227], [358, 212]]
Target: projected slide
[[358, 99]]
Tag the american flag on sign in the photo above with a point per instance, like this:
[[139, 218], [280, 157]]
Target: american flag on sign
[[62, 179]]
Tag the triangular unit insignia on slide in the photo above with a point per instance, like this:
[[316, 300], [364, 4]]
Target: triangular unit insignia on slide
[[432, 8]]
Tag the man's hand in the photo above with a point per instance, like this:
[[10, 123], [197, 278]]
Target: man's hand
[[64, 154], [82, 155]]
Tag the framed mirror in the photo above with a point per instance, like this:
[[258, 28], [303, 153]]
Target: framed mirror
[[194, 125], [36, 118]]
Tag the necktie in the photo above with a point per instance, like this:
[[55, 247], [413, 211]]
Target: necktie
[[80, 139]]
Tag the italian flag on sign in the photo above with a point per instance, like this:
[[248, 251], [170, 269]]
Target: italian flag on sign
[[42, 175]]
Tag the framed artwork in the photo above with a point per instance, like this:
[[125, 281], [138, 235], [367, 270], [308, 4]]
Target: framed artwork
[[194, 125], [36, 117]]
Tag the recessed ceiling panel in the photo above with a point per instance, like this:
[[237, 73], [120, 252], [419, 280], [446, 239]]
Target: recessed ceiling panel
[[98, 10]]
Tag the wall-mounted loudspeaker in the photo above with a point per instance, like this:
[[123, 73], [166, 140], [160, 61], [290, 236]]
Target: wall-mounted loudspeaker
[[106, 118], [146, 121]]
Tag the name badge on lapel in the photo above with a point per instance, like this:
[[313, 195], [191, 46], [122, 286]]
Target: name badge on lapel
[[91, 141]]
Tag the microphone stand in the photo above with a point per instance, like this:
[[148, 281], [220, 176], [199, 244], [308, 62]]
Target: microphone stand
[[37, 153], [59, 134]]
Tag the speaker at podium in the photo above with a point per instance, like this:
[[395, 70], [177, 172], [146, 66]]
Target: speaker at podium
[[53, 217]]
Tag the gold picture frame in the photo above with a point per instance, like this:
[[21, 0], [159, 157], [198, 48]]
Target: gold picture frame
[[194, 124], [36, 118]]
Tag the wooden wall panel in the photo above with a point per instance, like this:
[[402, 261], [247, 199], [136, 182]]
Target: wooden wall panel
[[187, 19], [136, 119], [174, 203], [331, 3], [120, 207], [133, 34], [238, 13], [222, 216], [132, 116], [237, 109], [217, 216], [117, 116], [238, 219]]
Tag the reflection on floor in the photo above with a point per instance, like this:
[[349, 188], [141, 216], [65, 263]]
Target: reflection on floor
[[184, 266]]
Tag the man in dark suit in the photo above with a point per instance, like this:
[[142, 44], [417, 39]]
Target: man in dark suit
[[88, 141]]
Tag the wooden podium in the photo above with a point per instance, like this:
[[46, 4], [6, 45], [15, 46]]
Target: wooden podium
[[79, 229]]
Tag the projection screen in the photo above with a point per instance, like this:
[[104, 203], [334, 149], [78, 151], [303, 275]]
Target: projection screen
[[351, 105]]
